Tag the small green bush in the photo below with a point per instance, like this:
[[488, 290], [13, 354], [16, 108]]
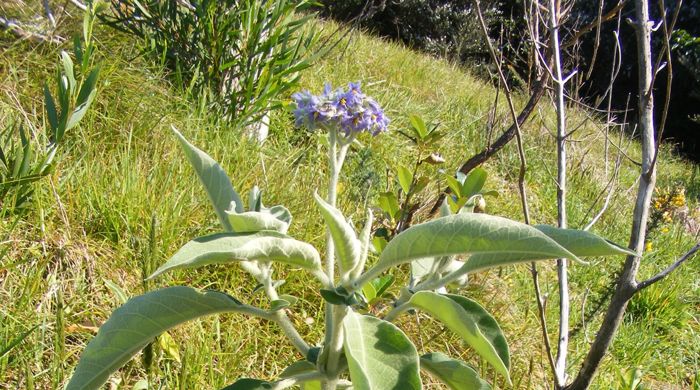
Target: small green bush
[[236, 56]]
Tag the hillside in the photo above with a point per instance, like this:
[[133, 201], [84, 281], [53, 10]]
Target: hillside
[[123, 199]]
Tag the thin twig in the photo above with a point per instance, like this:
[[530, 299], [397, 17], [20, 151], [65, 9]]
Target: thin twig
[[661, 275], [521, 179], [605, 18]]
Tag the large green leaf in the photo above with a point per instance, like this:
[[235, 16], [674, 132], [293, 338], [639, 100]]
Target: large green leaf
[[347, 246], [214, 179], [379, 354], [471, 322], [227, 247], [254, 221], [469, 233], [136, 323], [454, 373], [578, 242], [583, 243]]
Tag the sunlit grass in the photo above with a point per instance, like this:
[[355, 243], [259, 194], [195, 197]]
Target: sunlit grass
[[122, 170]]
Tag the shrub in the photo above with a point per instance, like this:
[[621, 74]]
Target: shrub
[[26, 160], [236, 56], [362, 346]]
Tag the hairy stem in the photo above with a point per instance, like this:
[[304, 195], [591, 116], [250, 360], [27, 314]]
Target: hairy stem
[[334, 314], [280, 317]]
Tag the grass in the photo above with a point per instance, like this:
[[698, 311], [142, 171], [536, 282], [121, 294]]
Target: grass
[[123, 199]]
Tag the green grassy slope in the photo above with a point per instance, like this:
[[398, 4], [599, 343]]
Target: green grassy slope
[[122, 200]]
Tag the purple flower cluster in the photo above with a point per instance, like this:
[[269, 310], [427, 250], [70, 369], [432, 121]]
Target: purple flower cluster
[[349, 110]]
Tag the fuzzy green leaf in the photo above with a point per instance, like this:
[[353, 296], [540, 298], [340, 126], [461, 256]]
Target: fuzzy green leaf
[[215, 181], [301, 367], [136, 323], [224, 248], [253, 221], [379, 354], [583, 243], [454, 373], [347, 246], [471, 322], [474, 234]]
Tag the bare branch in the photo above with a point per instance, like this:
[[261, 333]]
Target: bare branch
[[605, 18], [626, 285], [661, 275], [20, 32]]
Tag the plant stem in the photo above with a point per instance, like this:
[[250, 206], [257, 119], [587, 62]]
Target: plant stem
[[336, 345], [564, 305], [281, 318], [334, 314]]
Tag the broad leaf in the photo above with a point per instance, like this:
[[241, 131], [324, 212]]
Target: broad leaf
[[583, 243], [471, 322], [454, 373], [454, 185], [418, 125], [389, 204], [405, 178], [379, 354], [253, 221], [347, 246], [281, 213], [215, 181], [470, 234], [136, 323], [474, 182], [228, 247], [377, 287]]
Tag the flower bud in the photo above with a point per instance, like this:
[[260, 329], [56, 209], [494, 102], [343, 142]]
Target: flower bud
[[434, 159], [480, 206]]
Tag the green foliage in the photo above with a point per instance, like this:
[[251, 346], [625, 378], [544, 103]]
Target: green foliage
[[25, 161], [237, 57], [454, 373], [471, 322], [401, 203], [378, 354], [136, 323]]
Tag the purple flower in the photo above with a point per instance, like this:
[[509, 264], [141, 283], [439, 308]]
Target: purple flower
[[350, 111]]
